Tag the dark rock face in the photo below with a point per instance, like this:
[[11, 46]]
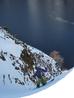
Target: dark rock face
[[28, 58], [2, 56]]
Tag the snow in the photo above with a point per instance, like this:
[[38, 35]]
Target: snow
[[7, 44], [62, 89], [13, 90]]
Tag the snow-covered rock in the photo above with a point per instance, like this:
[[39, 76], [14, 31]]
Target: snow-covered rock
[[18, 62]]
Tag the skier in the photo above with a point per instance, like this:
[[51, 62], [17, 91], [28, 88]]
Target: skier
[[39, 76]]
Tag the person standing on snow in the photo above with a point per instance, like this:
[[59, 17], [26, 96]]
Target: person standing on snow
[[39, 76]]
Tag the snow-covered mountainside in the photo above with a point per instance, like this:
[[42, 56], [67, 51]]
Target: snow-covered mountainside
[[62, 89], [23, 67]]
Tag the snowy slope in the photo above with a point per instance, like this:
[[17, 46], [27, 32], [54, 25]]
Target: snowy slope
[[18, 62], [62, 89]]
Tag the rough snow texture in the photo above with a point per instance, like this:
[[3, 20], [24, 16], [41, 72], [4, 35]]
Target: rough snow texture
[[62, 89], [12, 78]]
